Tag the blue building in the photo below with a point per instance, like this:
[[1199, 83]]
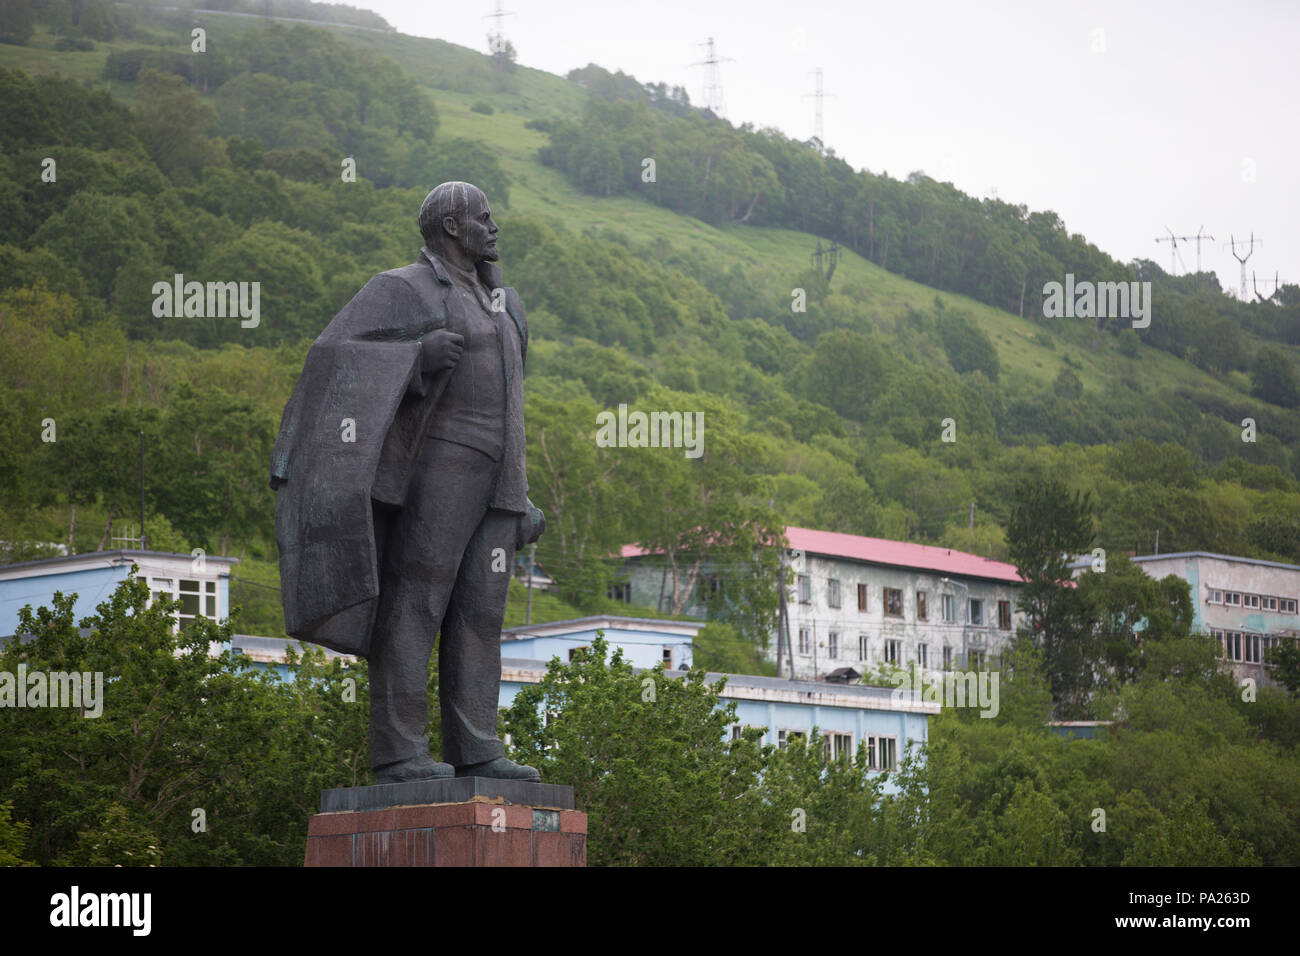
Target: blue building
[[200, 582]]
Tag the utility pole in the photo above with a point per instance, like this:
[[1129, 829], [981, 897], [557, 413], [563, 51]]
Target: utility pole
[[144, 546], [782, 622], [1242, 259], [713, 100], [971, 547]]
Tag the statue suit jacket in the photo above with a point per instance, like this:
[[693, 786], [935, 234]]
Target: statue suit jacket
[[363, 380]]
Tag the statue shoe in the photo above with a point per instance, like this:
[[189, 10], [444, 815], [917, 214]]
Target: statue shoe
[[500, 769], [417, 768]]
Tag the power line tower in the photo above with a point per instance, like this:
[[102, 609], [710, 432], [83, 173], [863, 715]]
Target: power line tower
[[830, 256], [1277, 284], [712, 77], [1173, 249], [818, 94], [500, 48], [1197, 239], [1242, 259]]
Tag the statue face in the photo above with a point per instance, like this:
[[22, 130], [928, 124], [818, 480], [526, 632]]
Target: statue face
[[476, 233]]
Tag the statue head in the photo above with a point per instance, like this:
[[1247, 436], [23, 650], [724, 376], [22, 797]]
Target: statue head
[[457, 224]]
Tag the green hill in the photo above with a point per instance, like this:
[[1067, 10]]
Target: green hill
[[227, 163]]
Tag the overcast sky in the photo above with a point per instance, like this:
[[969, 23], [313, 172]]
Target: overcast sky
[[1122, 120]]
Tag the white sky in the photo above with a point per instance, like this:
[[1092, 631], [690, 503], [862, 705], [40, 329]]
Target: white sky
[[1186, 115]]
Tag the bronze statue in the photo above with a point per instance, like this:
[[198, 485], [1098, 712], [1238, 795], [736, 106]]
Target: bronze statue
[[401, 492]]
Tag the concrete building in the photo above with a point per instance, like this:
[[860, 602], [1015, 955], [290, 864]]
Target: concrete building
[[200, 583], [861, 602], [1245, 604]]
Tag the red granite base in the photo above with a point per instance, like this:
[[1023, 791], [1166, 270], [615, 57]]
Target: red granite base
[[449, 834]]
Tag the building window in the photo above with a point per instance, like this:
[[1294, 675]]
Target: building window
[[1232, 645], [836, 746], [197, 598], [737, 730], [1232, 598], [977, 612], [923, 655], [832, 592], [1270, 603], [1215, 596], [668, 658], [892, 651], [1004, 615], [894, 602], [922, 606], [833, 645], [784, 737], [975, 660], [805, 589], [1288, 605], [882, 753], [574, 650], [947, 657], [862, 597], [862, 647], [949, 609], [805, 641], [621, 592], [1252, 649], [1251, 600]]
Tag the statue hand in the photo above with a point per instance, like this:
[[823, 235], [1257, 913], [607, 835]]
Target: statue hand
[[529, 526], [441, 350]]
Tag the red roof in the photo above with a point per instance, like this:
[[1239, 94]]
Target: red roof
[[900, 554]]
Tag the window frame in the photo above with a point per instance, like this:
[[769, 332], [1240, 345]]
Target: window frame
[[887, 602]]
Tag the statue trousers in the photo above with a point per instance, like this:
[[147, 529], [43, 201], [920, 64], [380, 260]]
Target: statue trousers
[[446, 567]]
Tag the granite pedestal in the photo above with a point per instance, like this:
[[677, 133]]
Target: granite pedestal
[[460, 821]]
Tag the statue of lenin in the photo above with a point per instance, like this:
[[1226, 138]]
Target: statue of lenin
[[401, 492]]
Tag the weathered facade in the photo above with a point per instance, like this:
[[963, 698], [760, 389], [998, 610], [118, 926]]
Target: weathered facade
[[1248, 606], [861, 602]]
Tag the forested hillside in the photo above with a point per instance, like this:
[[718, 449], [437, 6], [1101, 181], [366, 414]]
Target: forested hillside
[[231, 165], [129, 157]]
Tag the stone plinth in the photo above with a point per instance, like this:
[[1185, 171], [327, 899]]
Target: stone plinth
[[465, 821]]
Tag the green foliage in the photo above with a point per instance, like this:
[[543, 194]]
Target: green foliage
[[646, 757], [719, 647]]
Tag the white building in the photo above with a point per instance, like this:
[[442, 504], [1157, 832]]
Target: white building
[[1245, 604], [859, 602]]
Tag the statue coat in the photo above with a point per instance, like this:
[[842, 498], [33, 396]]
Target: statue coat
[[363, 379]]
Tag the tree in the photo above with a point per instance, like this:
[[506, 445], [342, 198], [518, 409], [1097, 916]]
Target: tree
[[1275, 378], [647, 757], [1047, 528], [174, 121], [16, 21]]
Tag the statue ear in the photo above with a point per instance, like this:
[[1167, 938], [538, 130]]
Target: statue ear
[[451, 226]]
